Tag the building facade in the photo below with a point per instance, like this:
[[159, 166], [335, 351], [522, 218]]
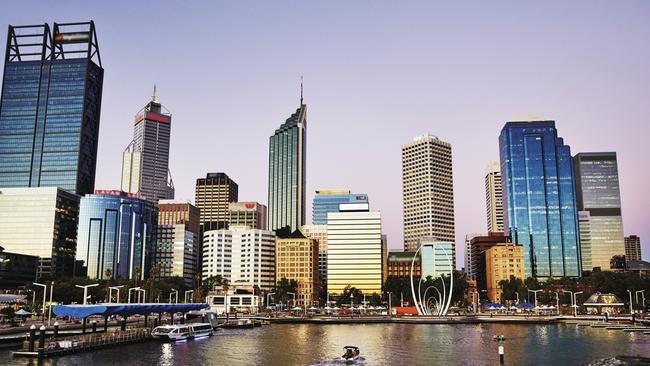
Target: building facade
[[251, 214], [503, 261], [494, 197], [319, 233], [539, 198], [354, 252], [328, 200], [296, 258], [116, 236], [178, 240], [478, 246], [42, 222], [17, 270], [213, 195], [427, 191], [598, 195], [287, 158], [436, 258], [468, 255], [632, 248], [251, 252], [50, 107], [399, 265], [145, 162]]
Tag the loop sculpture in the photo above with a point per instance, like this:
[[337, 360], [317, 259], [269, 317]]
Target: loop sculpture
[[440, 306]]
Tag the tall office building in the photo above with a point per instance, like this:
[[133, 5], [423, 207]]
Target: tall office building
[[540, 201], [328, 200], [287, 157], [213, 195], [251, 214], [319, 233], [427, 191], [50, 107], [494, 197], [117, 235], [245, 257], [296, 258], [354, 251], [145, 162], [598, 194], [632, 248], [41, 221], [178, 240]]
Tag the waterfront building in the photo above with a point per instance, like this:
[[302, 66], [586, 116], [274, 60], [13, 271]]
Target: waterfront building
[[354, 251], [251, 214], [539, 198], [328, 200], [42, 222], [494, 197], [296, 258], [50, 107], [436, 258], [287, 161], [598, 195], [632, 248], [319, 233], [17, 270], [502, 261], [399, 265], [427, 191], [468, 255], [237, 298], [478, 246], [244, 256], [145, 162], [213, 195], [117, 235]]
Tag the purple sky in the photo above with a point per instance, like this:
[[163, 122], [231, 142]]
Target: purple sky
[[376, 75]]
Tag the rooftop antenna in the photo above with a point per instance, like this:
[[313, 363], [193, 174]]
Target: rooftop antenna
[[301, 90], [154, 97]]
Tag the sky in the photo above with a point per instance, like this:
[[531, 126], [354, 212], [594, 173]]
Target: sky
[[376, 75]]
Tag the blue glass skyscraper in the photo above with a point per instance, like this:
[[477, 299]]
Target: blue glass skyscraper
[[539, 198], [50, 106], [329, 200], [117, 232]]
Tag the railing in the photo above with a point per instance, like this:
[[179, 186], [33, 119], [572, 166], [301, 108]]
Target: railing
[[90, 341]]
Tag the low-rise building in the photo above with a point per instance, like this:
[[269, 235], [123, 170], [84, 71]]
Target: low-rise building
[[17, 270], [251, 214], [296, 258], [399, 265], [503, 261], [236, 299]]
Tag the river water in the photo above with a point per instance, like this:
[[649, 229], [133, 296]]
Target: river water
[[380, 344]]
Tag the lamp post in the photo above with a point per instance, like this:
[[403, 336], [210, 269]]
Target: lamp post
[[575, 303], [352, 302], [535, 295], [132, 289], [268, 298], [557, 302], [364, 303], [170, 295], [86, 287], [44, 294], [631, 310], [517, 293], [144, 295], [390, 296], [642, 298], [188, 292], [110, 293], [294, 297], [49, 313]]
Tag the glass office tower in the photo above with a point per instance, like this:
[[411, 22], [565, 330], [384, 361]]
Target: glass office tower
[[287, 149], [50, 106], [117, 235], [539, 198], [329, 200]]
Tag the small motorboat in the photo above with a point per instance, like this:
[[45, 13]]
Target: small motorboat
[[351, 353]]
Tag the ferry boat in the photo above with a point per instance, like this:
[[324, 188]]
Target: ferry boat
[[179, 332]]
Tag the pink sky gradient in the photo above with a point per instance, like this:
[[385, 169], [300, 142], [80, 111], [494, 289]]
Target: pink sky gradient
[[376, 75]]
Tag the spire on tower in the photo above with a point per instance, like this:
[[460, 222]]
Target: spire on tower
[[154, 97], [301, 90]]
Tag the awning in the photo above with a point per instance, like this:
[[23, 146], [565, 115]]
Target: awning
[[82, 311]]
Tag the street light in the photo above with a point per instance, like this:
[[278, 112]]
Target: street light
[[86, 287], [557, 302], [144, 295], [170, 295], [44, 294], [630, 292], [49, 313], [110, 293], [535, 293], [186, 293], [517, 293], [575, 303], [294, 297], [132, 289], [389, 303], [268, 298], [642, 298]]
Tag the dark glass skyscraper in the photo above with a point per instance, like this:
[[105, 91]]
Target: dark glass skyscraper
[[539, 198], [50, 106], [287, 149]]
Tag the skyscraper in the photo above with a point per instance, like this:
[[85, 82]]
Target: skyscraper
[[427, 191], [178, 241], [540, 201], [598, 194], [50, 107], [213, 195], [494, 197], [287, 154], [328, 200], [632, 248], [145, 162]]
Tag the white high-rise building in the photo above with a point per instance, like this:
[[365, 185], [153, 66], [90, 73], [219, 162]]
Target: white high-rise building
[[427, 191], [494, 197], [176, 252], [244, 256], [354, 251]]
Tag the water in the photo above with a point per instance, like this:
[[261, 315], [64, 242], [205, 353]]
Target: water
[[380, 344]]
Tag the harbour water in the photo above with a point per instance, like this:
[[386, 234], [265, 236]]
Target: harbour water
[[380, 344]]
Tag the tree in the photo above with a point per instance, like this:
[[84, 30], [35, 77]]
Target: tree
[[350, 292], [283, 287]]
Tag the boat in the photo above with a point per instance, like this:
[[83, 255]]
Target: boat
[[181, 332], [351, 353]]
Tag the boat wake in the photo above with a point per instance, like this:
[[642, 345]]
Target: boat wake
[[340, 361]]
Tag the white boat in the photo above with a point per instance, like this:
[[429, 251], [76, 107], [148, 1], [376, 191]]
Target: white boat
[[179, 332]]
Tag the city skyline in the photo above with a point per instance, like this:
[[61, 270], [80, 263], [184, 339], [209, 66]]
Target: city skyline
[[606, 96]]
